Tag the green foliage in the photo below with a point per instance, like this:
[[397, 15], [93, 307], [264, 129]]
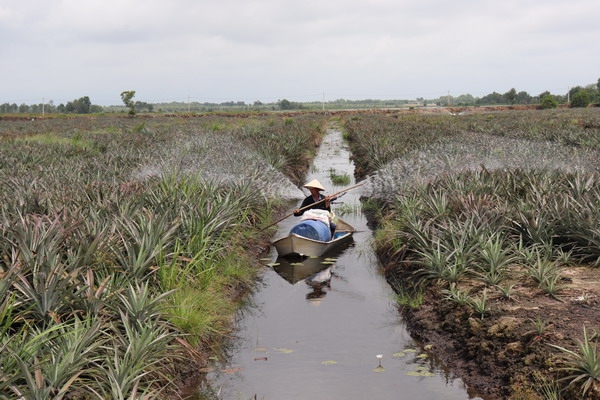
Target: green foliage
[[457, 295], [480, 305], [540, 325], [583, 367], [290, 105], [548, 101], [494, 260], [471, 200], [339, 179], [581, 99], [410, 296], [113, 246], [82, 105], [507, 291], [286, 146], [127, 98]]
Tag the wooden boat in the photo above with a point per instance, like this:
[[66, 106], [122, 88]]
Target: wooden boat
[[295, 244]]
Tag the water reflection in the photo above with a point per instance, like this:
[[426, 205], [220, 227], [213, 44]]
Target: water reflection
[[316, 273], [296, 269]]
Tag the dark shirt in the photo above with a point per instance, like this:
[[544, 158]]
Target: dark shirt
[[310, 200]]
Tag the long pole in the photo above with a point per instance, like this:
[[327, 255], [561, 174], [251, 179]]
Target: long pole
[[310, 205]]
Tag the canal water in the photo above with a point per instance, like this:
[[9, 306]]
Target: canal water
[[333, 335]]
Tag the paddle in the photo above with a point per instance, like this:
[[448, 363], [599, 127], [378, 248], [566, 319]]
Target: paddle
[[310, 205]]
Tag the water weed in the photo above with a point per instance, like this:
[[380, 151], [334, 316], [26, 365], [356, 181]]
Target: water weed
[[338, 179]]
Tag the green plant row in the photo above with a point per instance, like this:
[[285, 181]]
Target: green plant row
[[471, 206], [377, 139], [125, 244]]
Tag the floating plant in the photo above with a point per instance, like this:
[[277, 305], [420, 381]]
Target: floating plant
[[284, 350], [420, 371], [329, 362], [379, 368]]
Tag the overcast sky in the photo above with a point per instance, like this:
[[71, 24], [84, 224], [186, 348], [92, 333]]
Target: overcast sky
[[302, 50]]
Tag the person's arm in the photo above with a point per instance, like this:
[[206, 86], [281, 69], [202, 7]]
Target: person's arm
[[327, 203], [307, 201]]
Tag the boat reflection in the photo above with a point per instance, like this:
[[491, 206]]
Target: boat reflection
[[298, 269], [315, 272]]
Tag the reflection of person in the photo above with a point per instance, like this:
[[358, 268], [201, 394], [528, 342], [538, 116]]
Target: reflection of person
[[320, 283], [317, 293], [318, 201]]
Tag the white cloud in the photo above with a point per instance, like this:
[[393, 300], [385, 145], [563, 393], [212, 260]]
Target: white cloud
[[266, 50]]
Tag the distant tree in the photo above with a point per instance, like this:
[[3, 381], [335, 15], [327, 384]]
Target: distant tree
[[581, 99], [543, 94], [48, 107], [510, 97], [573, 91], [70, 107], [142, 105], [492, 98], [81, 105], [548, 101], [127, 97], [9, 108], [595, 94], [523, 98], [285, 104], [464, 99], [23, 108]]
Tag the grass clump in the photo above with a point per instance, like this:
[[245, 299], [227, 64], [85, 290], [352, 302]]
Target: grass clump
[[338, 179]]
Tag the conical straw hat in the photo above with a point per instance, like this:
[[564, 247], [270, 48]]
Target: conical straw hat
[[314, 184]]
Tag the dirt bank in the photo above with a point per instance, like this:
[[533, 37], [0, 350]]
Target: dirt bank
[[507, 354]]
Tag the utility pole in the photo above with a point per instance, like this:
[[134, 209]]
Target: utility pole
[[43, 100], [323, 101]]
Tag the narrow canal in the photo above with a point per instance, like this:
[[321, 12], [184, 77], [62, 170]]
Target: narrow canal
[[298, 341]]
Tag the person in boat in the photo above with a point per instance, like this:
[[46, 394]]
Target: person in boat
[[316, 201]]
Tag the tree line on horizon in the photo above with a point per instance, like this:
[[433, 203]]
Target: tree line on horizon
[[578, 96]]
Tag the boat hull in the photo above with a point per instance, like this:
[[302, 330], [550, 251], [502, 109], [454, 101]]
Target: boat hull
[[296, 245]]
